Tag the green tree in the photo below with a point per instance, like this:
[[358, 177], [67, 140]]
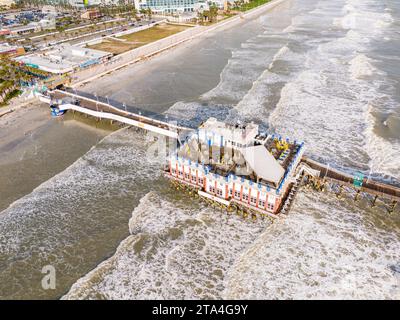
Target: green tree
[[149, 13]]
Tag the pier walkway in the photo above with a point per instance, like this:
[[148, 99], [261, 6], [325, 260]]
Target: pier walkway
[[99, 109], [103, 110], [359, 182]]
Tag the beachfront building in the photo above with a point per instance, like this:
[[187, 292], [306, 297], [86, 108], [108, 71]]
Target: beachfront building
[[237, 165], [185, 9], [64, 59], [167, 6], [25, 29], [9, 50]]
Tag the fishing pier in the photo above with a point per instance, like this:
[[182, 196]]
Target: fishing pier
[[306, 170]]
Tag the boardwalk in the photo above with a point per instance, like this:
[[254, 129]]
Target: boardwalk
[[104, 110], [369, 186]]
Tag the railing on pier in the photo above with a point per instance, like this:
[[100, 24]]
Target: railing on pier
[[105, 110], [100, 109], [365, 185]]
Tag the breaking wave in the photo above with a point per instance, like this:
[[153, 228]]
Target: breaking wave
[[344, 252], [385, 154], [174, 251], [70, 221]]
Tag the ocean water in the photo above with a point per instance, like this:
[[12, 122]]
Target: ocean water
[[325, 72]]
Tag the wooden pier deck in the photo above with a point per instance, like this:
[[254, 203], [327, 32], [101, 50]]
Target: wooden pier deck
[[368, 185], [104, 110]]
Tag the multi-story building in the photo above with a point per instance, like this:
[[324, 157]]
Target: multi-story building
[[167, 6], [64, 59], [236, 165]]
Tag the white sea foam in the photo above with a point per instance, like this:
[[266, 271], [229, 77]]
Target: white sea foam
[[177, 252], [358, 18], [325, 249], [385, 154], [360, 66], [234, 77], [173, 252], [242, 69], [355, 36], [327, 120]]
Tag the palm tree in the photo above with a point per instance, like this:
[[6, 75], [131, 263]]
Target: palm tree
[[149, 12], [213, 13], [143, 11]]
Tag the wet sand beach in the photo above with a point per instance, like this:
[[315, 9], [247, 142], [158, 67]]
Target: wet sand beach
[[34, 147]]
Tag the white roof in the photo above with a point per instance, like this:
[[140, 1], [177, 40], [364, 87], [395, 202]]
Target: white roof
[[63, 58], [263, 163], [242, 134]]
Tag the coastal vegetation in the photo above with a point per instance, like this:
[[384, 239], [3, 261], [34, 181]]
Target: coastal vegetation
[[137, 39], [12, 78], [208, 16], [243, 5], [213, 14]]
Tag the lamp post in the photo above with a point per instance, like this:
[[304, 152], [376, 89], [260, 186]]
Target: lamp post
[[97, 98]]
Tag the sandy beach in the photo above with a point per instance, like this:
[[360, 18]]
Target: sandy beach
[[16, 125], [34, 147]]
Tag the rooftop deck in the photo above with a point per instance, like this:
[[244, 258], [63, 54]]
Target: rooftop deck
[[226, 160]]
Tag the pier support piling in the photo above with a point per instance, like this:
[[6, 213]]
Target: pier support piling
[[357, 196], [374, 201], [392, 206], [339, 194]]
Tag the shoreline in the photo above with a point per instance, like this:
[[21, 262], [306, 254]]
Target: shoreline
[[175, 40], [227, 23], [31, 152]]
